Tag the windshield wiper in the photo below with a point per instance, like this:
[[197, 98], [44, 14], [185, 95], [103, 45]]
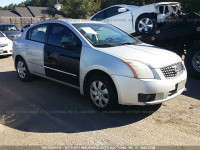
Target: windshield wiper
[[128, 43], [104, 45]]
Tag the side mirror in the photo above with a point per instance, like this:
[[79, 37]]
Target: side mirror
[[121, 10], [70, 44]]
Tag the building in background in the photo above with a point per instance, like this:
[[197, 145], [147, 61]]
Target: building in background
[[21, 16]]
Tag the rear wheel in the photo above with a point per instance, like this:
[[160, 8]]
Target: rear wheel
[[192, 60], [102, 93], [22, 70], [146, 24]]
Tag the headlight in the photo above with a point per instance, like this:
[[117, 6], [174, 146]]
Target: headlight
[[140, 70]]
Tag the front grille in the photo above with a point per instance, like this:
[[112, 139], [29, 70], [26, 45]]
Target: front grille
[[3, 45], [173, 70]]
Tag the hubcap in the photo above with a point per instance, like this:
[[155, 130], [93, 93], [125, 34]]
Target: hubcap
[[196, 61], [99, 94], [145, 25], [21, 69]]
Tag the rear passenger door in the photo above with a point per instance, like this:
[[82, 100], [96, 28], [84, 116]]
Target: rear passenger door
[[61, 60]]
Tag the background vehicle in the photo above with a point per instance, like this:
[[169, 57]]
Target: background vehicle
[[102, 61], [141, 19], [24, 28], [6, 45], [10, 30]]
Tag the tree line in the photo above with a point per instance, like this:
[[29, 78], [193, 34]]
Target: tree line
[[86, 8]]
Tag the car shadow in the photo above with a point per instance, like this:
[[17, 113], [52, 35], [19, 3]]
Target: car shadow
[[4, 56], [192, 88], [43, 106]]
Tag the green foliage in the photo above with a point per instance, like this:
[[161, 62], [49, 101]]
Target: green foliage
[[80, 8], [107, 3], [47, 17], [191, 5], [21, 4], [86, 8], [35, 3], [58, 16], [11, 6]]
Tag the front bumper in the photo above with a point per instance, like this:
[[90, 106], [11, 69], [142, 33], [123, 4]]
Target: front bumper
[[128, 89], [5, 52]]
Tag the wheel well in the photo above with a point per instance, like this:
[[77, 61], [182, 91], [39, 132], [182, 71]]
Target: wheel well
[[93, 73], [16, 59], [153, 14]]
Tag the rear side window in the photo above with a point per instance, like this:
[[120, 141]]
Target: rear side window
[[37, 33], [100, 16], [112, 12]]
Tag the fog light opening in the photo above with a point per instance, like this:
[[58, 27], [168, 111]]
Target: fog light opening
[[146, 97]]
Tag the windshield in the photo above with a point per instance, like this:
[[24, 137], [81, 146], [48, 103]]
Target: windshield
[[1, 35], [104, 35], [8, 28]]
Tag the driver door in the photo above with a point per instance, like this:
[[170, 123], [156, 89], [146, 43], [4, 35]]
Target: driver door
[[62, 62]]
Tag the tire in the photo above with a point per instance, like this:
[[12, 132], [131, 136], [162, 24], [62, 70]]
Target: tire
[[192, 60], [104, 95], [23, 71], [145, 24]]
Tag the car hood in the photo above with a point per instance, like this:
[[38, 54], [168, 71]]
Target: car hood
[[4, 40], [152, 56], [12, 33]]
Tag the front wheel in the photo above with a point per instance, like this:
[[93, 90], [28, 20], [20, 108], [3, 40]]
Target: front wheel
[[102, 93], [146, 24], [192, 60]]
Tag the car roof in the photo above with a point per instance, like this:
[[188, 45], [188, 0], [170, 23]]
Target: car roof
[[166, 3], [133, 6], [71, 21], [6, 24], [74, 21], [126, 6]]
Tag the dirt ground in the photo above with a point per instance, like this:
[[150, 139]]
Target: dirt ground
[[43, 112]]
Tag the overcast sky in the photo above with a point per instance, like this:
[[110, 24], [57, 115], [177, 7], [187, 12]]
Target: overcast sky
[[7, 2]]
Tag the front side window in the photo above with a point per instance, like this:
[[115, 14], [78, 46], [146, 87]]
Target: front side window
[[8, 28], [38, 33], [104, 35], [59, 35]]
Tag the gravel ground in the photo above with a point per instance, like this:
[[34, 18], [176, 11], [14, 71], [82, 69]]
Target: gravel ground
[[43, 112]]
